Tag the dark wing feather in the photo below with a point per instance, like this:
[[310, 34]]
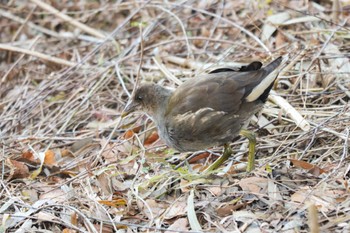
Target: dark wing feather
[[223, 91], [256, 65]]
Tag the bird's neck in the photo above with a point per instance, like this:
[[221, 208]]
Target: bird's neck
[[163, 96]]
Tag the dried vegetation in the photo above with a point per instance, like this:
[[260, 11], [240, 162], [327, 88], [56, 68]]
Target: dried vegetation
[[70, 164]]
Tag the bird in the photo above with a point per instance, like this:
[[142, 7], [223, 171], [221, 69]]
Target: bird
[[211, 109]]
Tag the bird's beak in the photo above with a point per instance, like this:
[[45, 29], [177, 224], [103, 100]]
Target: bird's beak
[[130, 107]]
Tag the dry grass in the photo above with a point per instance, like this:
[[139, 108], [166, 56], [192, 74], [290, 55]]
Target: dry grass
[[69, 163]]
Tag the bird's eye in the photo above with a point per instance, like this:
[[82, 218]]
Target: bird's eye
[[139, 98]]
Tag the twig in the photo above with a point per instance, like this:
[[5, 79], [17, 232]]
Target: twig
[[230, 23], [290, 111], [3, 80], [37, 54], [69, 19]]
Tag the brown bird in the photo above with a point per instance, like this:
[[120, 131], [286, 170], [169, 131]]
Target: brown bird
[[208, 110]]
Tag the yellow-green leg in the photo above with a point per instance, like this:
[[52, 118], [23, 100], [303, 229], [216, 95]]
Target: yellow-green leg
[[251, 151], [228, 152], [225, 155]]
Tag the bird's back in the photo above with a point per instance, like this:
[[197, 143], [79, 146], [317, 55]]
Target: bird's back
[[222, 91]]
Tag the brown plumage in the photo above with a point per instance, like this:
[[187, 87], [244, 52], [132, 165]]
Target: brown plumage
[[209, 109]]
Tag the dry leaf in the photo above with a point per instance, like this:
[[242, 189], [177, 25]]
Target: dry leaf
[[81, 143], [104, 183], [74, 219], [152, 138], [128, 134], [324, 201], [56, 195], [180, 224], [17, 169], [114, 203], [227, 208], [314, 170], [67, 230], [50, 158], [199, 157], [270, 25], [28, 155], [253, 184], [177, 209]]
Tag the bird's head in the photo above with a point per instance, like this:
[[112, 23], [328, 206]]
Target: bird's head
[[149, 98]]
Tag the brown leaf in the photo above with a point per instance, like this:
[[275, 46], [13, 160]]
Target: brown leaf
[[254, 184], [17, 169], [152, 138], [29, 157], [114, 203], [199, 157], [228, 208], [312, 169], [74, 219], [280, 39], [128, 134], [50, 158], [66, 230], [66, 153], [104, 183]]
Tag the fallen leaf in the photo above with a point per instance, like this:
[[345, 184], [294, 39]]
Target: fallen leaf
[[114, 203], [81, 143], [17, 169], [128, 134], [180, 224], [269, 26], [56, 195], [323, 201], [177, 209], [152, 138], [191, 213], [50, 158], [253, 184], [74, 218], [66, 230], [313, 169], [199, 157], [228, 208], [28, 155]]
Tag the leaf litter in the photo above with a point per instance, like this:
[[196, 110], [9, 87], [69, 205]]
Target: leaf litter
[[70, 163]]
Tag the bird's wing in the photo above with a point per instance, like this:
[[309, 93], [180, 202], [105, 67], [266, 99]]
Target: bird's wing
[[221, 91]]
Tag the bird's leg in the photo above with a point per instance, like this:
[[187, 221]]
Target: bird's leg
[[225, 155], [251, 153], [228, 152]]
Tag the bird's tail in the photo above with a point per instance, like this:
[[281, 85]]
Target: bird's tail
[[262, 90]]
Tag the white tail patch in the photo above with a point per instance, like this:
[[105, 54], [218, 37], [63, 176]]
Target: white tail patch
[[265, 83]]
